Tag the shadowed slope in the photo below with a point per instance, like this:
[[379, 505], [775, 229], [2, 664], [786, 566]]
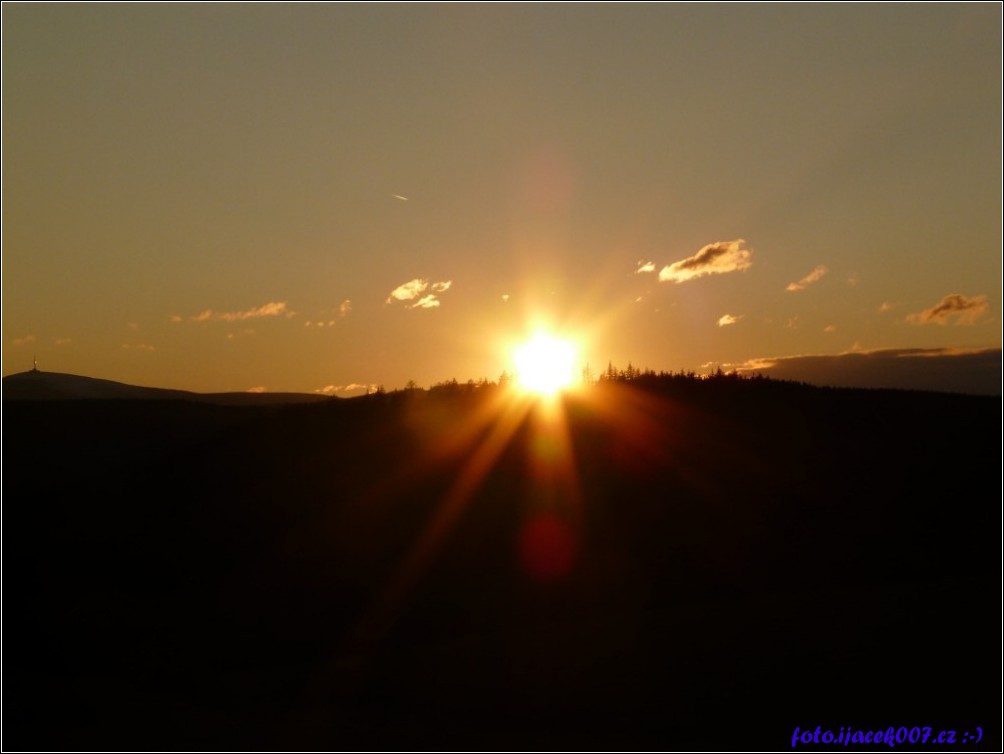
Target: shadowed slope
[[748, 557]]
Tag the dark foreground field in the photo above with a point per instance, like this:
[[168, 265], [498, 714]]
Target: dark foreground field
[[682, 565]]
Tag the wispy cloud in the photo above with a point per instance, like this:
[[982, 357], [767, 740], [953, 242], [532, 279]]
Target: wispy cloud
[[426, 302], [645, 267], [965, 310], [138, 347], [353, 387], [345, 307], [257, 389], [271, 309], [818, 272], [23, 341], [414, 289], [830, 328], [402, 198], [61, 341], [886, 306], [729, 319], [714, 259]]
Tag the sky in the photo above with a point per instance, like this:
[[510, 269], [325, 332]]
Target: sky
[[325, 196]]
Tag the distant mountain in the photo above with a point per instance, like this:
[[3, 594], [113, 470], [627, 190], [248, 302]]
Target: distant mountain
[[36, 385]]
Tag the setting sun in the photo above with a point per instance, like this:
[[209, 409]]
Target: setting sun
[[545, 365]]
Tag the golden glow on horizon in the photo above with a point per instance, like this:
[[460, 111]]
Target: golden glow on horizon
[[545, 364]]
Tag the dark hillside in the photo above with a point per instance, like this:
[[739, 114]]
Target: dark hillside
[[677, 564]]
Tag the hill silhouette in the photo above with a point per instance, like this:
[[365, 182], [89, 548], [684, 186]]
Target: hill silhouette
[[674, 564], [36, 385]]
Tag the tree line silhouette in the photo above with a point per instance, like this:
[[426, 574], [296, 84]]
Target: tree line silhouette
[[640, 377]]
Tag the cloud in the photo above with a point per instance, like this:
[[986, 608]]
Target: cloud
[[138, 347], [61, 341], [257, 389], [965, 310], [271, 309], [885, 306], [414, 289], [645, 267], [426, 302], [353, 387], [830, 328], [809, 279], [505, 298], [23, 341], [729, 319], [714, 259], [345, 307], [853, 279], [176, 318], [132, 325], [975, 371], [408, 291]]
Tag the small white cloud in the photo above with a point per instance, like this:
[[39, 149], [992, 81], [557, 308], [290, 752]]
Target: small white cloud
[[645, 267], [23, 341], [61, 341], [714, 259], [402, 198], [853, 279], [257, 389], [885, 306], [729, 319], [408, 291], [505, 298], [176, 318], [426, 302], [132, 326], [414, 289], [818, 272], [345, 307], [138, 347], [830, 328]]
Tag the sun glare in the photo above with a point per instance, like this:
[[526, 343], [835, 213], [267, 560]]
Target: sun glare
[[545, 365]]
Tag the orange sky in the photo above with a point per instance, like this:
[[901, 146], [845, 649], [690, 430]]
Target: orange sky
[[314, 197]]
